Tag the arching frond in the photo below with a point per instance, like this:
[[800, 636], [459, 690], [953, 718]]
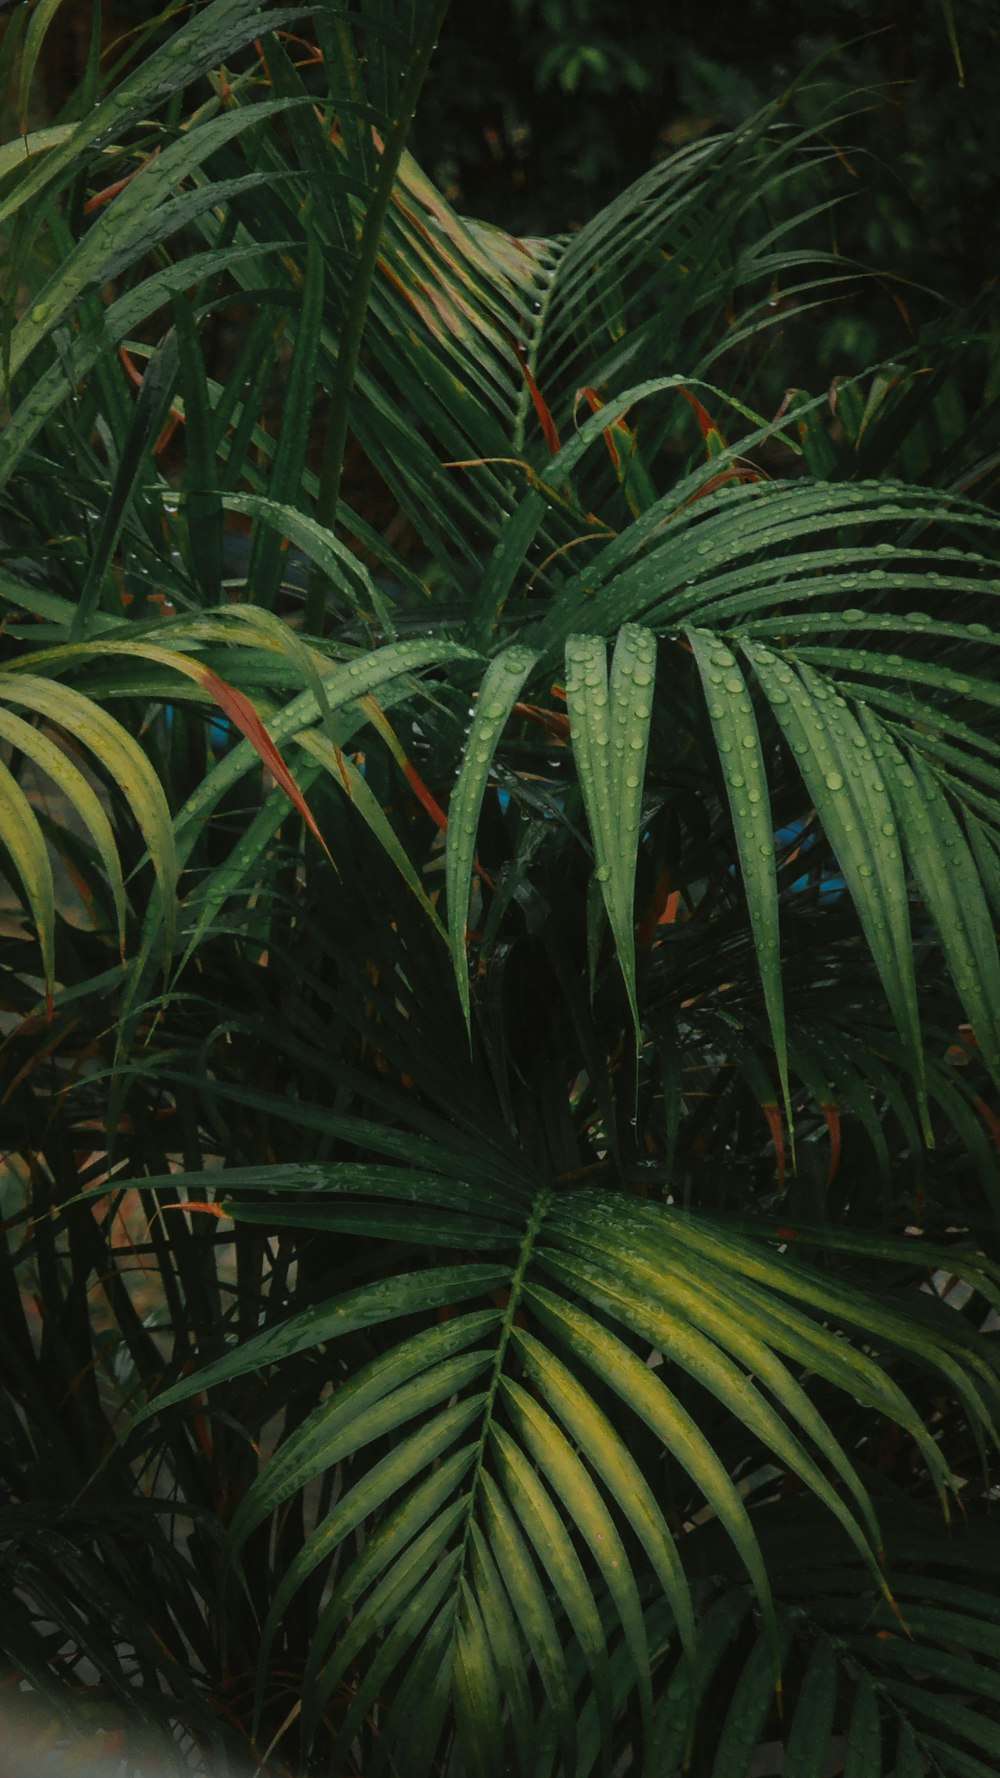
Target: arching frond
[[496, 1488]]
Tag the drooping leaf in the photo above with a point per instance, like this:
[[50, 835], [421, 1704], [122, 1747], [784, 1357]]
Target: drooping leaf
[[609, 726]]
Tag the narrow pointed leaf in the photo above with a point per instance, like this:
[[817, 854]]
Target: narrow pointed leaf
[[528, 1598], [843, 779], [950, 883], [407, 1294], [498, 693], [743, 768], [568, 1476], [609, 727], [753, 1699], [22, 838], [863, 1755], [122, 757], [545, 1528], [807, 1748], [592, 1432]]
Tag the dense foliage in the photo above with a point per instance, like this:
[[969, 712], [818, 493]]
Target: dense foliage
[[502, 1011]]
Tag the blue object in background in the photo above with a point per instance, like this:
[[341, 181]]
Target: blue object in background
[[221, 733], [831, 884]]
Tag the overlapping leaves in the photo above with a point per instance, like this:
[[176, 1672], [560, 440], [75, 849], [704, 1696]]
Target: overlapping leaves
[[531, 1437], [509, 1526]]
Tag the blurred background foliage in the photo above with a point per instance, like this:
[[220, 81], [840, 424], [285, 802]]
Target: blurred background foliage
[[536, 113]]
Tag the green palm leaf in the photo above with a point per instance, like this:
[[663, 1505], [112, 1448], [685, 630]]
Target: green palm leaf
[[610, 725], [501, 684], [548, 1488]]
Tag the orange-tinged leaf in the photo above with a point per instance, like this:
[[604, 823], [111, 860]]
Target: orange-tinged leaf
[[203, 1206], [552, 721], [714, 440], [242, 714], [539, 403], [135, 375], [662, 910], [594, 400], [623, 448], [424, 796], [738, 472], [111, 191], [670, 911]]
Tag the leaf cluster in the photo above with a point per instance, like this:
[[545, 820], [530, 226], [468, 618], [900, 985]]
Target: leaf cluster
[[501, 1003]]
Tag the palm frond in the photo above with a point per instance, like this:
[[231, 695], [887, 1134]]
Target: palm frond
[[502, 1404]]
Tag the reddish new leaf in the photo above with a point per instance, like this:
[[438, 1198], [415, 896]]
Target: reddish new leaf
[[243, 716], [539, 402]]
